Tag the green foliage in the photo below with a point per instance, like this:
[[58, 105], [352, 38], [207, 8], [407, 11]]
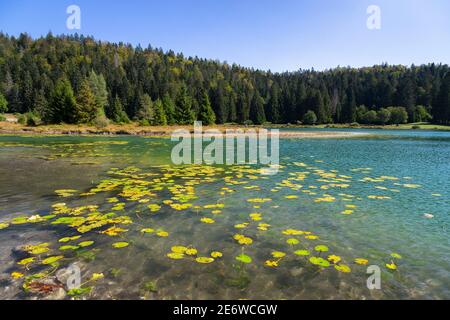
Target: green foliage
[[159, 118], [421, 114], [2, 118], [86, 106], [206, 114], [42, 75], [118, 114], [62, 107], [310, 118], [183, 108], [383, 116], [169, 109], [3, 104], [257, 114], [398, 115], [145, 114], [97, 84], [32, 119], [22, 119]]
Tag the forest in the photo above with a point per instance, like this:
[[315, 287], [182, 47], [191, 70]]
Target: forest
[[77, 79]]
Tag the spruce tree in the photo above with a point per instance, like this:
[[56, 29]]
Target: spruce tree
[[441, 110], [160, 118], [86, 107], [183, 108], [62, 103], [118, 114], [257, 114], [146, 112], [169, 109], [206, 114]]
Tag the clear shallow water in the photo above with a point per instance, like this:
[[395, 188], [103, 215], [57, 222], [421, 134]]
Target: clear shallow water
[[32, 168]]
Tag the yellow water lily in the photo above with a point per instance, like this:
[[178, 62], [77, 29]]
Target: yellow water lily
[[292, 232], [97, 276], [333, 258], [256, 216], [175, 255], [391, 266], [207, 220], [342, 268], [216, 254], [162, 234], [271, 263], [241, 239], [191, 251], [16, 275], [361, 261], [278, 254], [179, 249]]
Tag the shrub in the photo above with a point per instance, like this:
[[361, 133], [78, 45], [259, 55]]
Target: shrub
[[22, 119], [2, 118], [100, 121], [310, 118], [32, 119]]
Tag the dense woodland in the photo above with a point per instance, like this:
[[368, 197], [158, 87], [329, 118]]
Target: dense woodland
[[75, 79]]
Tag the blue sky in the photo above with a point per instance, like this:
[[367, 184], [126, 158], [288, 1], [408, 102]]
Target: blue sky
[[278, 35]]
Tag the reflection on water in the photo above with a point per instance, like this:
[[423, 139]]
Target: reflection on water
[[156, 231]]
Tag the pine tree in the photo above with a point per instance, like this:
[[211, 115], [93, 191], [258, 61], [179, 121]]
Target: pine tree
[[206, 114], [86, 107], [62, 104], [183, 108]]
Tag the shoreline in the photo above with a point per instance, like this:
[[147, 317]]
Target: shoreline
[[157, 131]]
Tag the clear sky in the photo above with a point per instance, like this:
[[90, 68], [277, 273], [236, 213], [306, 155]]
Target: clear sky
[[278, 35]]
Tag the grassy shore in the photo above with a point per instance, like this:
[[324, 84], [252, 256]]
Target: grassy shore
[[152, 131], [407, 126], [7, 127]]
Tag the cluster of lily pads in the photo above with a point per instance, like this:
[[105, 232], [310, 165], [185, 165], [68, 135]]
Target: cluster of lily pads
[[130, 192]]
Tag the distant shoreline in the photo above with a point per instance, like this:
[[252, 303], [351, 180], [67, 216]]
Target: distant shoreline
[[7, 128]]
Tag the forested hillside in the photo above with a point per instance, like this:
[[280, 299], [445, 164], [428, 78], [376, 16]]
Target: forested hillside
[[75, 79]]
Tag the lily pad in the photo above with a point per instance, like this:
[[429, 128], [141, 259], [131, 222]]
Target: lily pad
[[319, 262], [119, 245], [244, 258], [302, 253]]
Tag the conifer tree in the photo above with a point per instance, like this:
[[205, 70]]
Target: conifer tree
[[183, 108], [206, 114]]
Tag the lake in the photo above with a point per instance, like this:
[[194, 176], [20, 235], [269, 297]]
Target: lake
[[138, 227]]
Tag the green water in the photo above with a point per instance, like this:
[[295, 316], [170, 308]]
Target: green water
[[414, 166]]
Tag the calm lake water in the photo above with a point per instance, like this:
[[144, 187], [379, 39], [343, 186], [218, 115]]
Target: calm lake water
[[375, 198]]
